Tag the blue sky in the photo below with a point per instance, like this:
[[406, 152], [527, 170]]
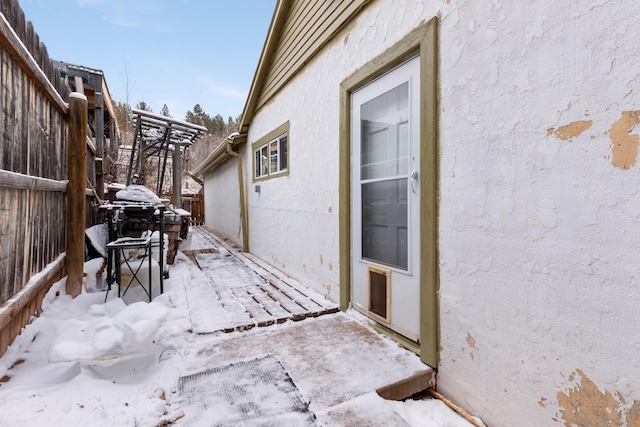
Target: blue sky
[[174, 52]]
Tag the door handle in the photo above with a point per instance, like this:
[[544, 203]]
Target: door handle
[[414, 179]]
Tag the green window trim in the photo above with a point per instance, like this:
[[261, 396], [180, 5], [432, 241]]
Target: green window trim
[[274, 149]]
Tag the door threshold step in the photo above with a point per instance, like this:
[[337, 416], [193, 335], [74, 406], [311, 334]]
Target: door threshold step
[[407, 387]]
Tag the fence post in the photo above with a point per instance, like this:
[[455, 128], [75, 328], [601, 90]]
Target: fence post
[[77, 156]]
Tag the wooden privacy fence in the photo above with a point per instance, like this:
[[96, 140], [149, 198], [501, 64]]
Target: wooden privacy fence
[[195, 205], [34, 138]]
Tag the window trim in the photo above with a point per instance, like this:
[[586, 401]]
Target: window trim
[[265, 141]]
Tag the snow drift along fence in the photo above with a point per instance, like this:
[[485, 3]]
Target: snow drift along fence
[[33, 170]]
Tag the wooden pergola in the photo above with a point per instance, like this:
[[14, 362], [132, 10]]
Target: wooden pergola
[[157, 135]]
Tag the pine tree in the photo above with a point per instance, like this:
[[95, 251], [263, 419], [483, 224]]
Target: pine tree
[[198, 116], [144, 107]]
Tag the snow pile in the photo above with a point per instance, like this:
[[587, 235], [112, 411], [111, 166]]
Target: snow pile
[[112, 329], [85, 361], [98, 235], [181, 212], [117, 185], [138, 193], [93, 275], [428, 413]]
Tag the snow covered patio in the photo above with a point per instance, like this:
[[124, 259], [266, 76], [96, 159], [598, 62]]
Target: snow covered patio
[[90, 362]]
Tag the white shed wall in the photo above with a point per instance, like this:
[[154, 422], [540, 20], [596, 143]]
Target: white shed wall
[[539, 212], [222, 198]]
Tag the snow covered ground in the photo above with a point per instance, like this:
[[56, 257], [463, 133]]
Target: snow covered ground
[[91, 362]]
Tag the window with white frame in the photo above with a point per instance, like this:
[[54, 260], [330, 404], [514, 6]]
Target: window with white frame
[[271, 154]]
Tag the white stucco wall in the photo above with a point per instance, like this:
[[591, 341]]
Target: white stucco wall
[[539, 214], [539, 220], [222, 201], [293, 220]]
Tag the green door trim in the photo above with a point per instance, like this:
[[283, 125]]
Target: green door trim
[[422, 40]]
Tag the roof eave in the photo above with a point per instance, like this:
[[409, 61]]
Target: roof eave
[[219, 155], [270, 44]]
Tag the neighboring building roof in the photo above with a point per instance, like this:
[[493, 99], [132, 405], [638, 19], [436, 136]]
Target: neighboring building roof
[[94, 81]]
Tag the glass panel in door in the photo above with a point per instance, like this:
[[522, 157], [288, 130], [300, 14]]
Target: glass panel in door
[[384, 172]]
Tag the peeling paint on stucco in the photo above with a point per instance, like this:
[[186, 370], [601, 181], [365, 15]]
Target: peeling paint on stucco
[[570, 131], [471, 341], [633, 415], [625, 143], [472, 344], [327, 287], [585, 405]]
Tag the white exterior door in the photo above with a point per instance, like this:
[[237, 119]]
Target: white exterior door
[[385, 199]]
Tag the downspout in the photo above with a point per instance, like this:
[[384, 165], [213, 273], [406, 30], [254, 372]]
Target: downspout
[[243, 208]]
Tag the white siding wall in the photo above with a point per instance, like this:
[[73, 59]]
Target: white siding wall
[[221, 195], [539, 224]]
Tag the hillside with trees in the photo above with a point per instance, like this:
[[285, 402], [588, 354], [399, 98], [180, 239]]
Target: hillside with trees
[[218, 128]]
